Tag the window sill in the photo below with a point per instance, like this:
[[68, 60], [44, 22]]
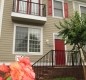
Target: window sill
[[28, 53], [58, 17]]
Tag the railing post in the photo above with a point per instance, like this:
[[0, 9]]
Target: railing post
[[30, 7], [52, 58], [17, 5], [72, 59], [13, 6], [44, 10], [27, 6], [39, 7], [80, 59]]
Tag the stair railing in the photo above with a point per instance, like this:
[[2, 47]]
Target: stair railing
[[46, 60], [49, 61], [42, 64]]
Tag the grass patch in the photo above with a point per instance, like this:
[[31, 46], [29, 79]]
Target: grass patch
[[66, 78]]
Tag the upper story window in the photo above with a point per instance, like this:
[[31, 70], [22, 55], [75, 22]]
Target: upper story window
[[28, 40], [83, 10], [32, 7], [58, 8], [22, 6]]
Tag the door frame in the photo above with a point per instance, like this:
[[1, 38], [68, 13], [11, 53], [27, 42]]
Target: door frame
[[56, 34]]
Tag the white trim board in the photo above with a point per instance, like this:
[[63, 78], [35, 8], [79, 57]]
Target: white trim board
[[1, 14], [6, 63]]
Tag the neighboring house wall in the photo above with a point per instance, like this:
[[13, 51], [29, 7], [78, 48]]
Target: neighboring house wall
[[77, 5], [7, 35]]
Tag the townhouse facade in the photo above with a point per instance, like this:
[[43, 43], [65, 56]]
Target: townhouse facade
[[27, 27]]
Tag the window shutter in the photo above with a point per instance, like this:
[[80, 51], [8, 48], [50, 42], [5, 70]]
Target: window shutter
[[50, 7], [66, 10]]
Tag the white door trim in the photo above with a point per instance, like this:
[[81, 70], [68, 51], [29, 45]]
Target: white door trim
[[54, 44]]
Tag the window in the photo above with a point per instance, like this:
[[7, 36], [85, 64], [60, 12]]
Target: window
[[34, 40], [83, 10], [28, 7], [35, 7], [28, 40], [21, 41], [58, 8], [22, 6]]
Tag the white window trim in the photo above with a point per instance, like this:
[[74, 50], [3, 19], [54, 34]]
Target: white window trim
[[6, 63], [1, 14], [84, 5], [53, 9], [73, 6], [28, 53]]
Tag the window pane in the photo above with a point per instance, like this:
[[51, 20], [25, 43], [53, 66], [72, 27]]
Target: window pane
[[21, 41], [34, 40], [34, 9], [57, 4], [58, 9], [23, 6], [83, 9], [58, 13]]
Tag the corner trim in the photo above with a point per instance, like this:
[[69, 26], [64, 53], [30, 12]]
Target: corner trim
[[1, 14]]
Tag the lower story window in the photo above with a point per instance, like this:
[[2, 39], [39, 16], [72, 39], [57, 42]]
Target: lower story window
[[21, 42], [28, 39], [34, 40]]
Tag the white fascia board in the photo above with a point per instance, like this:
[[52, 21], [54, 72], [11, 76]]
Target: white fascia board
[[25, 16]]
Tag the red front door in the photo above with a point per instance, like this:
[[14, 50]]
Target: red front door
[[60, 52]]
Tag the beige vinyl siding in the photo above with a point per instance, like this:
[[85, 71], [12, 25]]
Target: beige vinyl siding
[[0, 19], [6, 41], [76, 6], [0, 3], [70, 8]]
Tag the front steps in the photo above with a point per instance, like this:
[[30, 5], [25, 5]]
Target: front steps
[[49, 73]]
